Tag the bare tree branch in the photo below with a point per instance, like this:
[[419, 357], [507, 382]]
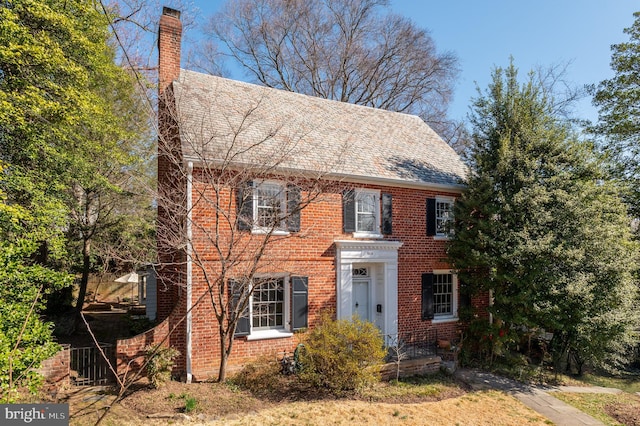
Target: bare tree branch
[[348, 50]]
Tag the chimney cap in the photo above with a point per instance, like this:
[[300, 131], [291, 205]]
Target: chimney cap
[[167, 11]]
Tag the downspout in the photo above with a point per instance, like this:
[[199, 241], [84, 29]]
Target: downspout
[[490, 305], [189, 269]]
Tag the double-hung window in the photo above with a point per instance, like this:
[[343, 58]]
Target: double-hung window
[[268, 206], [439, 216], [443, 295], [367, 213], [439, 296], [272, 306], [268, 304], [444, 217]]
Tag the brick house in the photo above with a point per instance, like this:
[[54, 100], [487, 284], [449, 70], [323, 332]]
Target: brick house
[[353, 201]]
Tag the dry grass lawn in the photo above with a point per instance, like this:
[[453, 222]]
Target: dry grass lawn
[[481, 408], [428, 403]]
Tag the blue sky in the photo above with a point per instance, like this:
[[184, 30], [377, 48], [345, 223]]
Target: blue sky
[[484, 34]]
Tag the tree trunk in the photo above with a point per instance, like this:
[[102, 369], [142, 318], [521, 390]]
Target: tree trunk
[[84, 280], [224, 357]]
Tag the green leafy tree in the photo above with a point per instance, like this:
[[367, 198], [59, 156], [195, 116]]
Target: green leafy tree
[[40, 106], [25, 339], [617, 100], [108, 196], [66, 111], [72, 122], [542, 227]]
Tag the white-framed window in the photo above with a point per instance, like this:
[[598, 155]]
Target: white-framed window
[[444, 216], [269, 206], [443, 295], [269, 308], [367, 213], [275, 307], [440, 296]]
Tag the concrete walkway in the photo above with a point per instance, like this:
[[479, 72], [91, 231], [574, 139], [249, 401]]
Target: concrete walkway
[[536, 397]]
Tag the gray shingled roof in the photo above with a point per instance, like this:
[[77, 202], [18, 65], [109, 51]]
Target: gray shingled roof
[[228, 120]]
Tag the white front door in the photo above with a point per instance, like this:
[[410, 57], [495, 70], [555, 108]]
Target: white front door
[[361, 298]]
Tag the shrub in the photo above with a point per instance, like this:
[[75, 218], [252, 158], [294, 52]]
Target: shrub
[[190, 404], [159, 361], [261, 377], [342, 355], [487, 341]]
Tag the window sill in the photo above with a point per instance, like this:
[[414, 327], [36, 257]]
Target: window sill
[[444, 319], [368, 235], [269, 334], [441, 237], [262, 231]]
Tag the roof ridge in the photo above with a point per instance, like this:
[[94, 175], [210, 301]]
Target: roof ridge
[[296, 94]]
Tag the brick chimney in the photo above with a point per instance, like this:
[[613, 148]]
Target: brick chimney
[[169, 39], [171, 182]]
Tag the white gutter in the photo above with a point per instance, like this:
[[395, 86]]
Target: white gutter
[[338, 176], [189, 300]]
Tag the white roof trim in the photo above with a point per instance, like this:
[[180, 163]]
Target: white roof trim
[[399, 183]]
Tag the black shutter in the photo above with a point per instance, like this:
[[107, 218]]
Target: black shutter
[[431, 216], [293, 208], [244, 206], [387, 214], [243, 325], [300, 286], [427, 296], [349, 211]]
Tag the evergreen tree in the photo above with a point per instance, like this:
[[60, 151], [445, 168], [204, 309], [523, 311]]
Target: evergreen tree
[[541, 227], [617, 100]]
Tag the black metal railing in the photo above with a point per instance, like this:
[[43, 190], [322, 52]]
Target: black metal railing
[[410, 345], [89, 367]]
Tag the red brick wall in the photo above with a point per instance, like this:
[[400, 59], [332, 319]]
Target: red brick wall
[[419, 254], [56, 369], [130, 352], [314, 256]]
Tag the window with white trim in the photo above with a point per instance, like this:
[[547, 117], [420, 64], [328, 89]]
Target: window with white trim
[[268, 304], [439, 296], [368, 211], [269, 205], [274, 306], [443, 295], [444, 217]]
